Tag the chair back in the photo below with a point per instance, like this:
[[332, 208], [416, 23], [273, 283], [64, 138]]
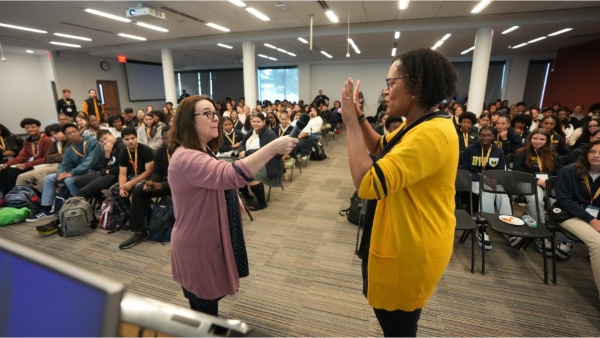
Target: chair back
[[463, 184], [551, 188], [508, 182], [510, 160]]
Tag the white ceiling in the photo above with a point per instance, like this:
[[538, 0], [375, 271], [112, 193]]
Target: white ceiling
[[372, 27]]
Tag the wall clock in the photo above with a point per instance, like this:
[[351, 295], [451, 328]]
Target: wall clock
[[105, 66]]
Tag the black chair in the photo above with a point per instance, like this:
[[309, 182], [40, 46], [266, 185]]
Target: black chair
[[552, 224], [464, 220], [514, 183], [510, 159]]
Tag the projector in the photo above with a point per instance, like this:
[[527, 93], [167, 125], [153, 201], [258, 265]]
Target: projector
[[146, 12]]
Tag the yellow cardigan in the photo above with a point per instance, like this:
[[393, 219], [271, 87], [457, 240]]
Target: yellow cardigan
[[413, 229]]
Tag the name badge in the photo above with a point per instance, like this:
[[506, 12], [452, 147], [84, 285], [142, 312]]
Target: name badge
[[69, 110], [30, 159], [592, 210], [541, 176]]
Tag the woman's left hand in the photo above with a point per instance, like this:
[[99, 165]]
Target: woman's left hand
[[350, 109]]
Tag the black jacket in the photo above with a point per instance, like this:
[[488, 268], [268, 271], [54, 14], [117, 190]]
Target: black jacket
[[512, 142], [275, 165], [520, 165], [161, 167], [573, 196]]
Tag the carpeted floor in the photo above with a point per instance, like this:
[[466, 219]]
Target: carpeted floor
[[305, 279]]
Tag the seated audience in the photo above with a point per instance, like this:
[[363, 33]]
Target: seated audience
[[380, 127], [577, 192], [10, 144], [63, 119], [82, 156], [83, 125], [94, 125], [136, 163], [550, 123], [237, 124], [150, 134], [521, 124], [232, 139], [392, 123], [577, 152], [116, 123], [34, 152], [584, 132], [284, 128], [483, 120], [466, 133], [160, 119], [272, 121], [507, 140], [564, 121], [37, 176], [309, 133]]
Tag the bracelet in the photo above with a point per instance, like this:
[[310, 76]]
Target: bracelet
[[361, 118]]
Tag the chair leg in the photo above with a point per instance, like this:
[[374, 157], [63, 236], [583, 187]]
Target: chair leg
[[269, 195], [472, 251], [246, 208], [553, 257], [482, 250], [292, 173], [545, 261]]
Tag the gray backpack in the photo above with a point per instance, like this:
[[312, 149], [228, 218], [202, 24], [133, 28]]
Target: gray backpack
[[76, 217]]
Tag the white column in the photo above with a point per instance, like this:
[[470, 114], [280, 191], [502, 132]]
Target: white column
[[249, 60], [479, 70], [168, 75]]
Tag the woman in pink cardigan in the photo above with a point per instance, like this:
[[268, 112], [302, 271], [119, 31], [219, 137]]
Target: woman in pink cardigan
[[208, 253]]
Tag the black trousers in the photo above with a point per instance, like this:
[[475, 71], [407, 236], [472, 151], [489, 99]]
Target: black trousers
[[8, 178], [91, 184], [398, 323], [207, 306], [140, 204]]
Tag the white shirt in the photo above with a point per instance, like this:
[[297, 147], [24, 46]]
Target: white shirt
[[313, 126]]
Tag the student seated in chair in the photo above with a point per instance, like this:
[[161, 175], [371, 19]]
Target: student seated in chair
[[156, 186], [136, 163]]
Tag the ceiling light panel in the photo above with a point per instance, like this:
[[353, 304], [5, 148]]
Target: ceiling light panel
[[402, 4], [331, 16], [394, 51], [519, 46], [326, 54], [106, 15], [218, 27], [482, 4], [224, 45], [149, 26], [29, 51], [257, 14], [270, 46], [397, 35], [303, 40], [75, 37], [134, 37], [536, 40], [238, 3], [511, 29], [64, 44], [560, 31], [23, 28], [467, 50]]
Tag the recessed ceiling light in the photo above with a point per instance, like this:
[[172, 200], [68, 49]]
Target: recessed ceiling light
[[224, 45], [331, 16], [64, 44], [238, 3], [446, 37], [23, 28], [350, 41], [76, 37], [215, 26], [281, 50], [513, 28], [270, 46], [302, 40], [483, 4], [263, 56], [106, 15], [519, 46], [291, 54], [536, 40], [394, 51], [561, 31], [29, 51], [326, 54], [467, 50], [156, 28], [397, 35], [402, 4], [257, 14], [272, 59], [134, 37]]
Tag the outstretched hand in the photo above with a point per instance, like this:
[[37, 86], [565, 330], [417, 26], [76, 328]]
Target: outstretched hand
[[350, 101], [284, 145]]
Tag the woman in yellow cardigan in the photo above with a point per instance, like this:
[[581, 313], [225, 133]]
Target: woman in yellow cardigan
[[413, 181]]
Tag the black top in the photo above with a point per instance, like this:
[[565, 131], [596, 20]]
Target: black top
[[471, 160], [235, 136], [513, 142], [111, 163], [279, 132], [575, 153], [572, 194], [265, 135], [67, 107], [559, 145], [161, 166], [145, 155], [520, 165], [472, 138]]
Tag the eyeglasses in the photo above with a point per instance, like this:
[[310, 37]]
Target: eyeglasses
[[209, 114], [387, 81], [593, 126]]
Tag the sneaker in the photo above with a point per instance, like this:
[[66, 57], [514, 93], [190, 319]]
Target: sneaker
[[40, 215], [563, 250], [133, 240], [486, 240], [548, 245], [284, 177], [515, 241], [47, 229], [304, 158]]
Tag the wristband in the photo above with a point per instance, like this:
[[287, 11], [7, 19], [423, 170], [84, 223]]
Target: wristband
[[361, 118]]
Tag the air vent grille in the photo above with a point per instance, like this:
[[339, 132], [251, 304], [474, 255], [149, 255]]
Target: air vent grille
[[174, 11]]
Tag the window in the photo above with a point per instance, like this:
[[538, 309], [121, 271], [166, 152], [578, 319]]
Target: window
[[278, 84]]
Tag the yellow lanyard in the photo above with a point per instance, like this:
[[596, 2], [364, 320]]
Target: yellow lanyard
[[34, 146], [168, 157], [466, 139], [539, 160], [282, 130], [587, 185], [254, 135], [78, 153], [2, 142], [132, 161], [499, 142], [229, 138], [484, 160]]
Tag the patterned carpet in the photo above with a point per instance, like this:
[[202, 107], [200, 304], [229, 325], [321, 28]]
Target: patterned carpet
[[305, 279]]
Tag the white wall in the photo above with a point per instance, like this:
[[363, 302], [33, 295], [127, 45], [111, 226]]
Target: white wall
[[26, 90], [515, 79], [330, 78], [79, 72]]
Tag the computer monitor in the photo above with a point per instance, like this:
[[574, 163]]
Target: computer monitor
[[41, 295]]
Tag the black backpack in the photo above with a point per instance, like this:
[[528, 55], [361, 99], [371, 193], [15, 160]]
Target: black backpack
[[162, 220], [23, 196], [353, 212], [317, 151]]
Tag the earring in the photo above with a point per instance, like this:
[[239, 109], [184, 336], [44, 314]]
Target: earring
[[413, 97]]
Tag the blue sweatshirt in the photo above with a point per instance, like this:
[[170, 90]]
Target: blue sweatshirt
[[75, 164]]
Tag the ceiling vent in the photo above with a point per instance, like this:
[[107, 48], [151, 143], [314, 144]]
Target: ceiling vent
[[174, 11]]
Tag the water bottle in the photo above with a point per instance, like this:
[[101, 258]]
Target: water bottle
[[529, 221]]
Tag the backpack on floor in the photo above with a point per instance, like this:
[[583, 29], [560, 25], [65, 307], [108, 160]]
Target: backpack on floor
[[109, 215], [162, 220], [317, 151], [59, 200], [353, 212], [23, 196], [10, 215], [76, 217]]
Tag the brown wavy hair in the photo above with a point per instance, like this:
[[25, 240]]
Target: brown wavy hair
[[183, 133], [582, 166], [547, 155]]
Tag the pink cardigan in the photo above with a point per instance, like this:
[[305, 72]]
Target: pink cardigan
[[201, 254]]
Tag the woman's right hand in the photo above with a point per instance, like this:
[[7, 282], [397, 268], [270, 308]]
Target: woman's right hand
[[283, 145]]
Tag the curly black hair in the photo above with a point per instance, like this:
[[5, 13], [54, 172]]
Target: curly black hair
[[114, 117], [523, 118], [27, 121], [428, 75], [469, 116]]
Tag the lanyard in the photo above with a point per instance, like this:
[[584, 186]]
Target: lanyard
[[229, 138], [587, 185], [254, 135], [59, 147], [484, 160], [78, 153], [132, 161], [539, 160], [466, 139], [2, 142], [282, 130], [34, 146], [499, 142]]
